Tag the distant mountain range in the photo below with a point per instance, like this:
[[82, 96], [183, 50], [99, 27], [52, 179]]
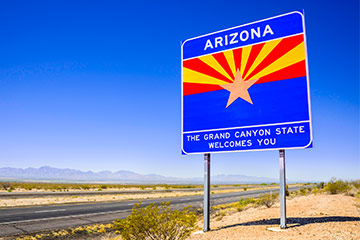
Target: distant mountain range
[[70, 175]]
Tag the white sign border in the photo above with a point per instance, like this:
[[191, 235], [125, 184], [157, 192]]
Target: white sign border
[[219, 129]]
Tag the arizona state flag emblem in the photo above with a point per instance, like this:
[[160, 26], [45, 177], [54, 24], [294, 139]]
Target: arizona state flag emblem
[[247, 88]]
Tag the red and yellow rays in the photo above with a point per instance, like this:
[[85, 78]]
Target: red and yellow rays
[[271, 61]]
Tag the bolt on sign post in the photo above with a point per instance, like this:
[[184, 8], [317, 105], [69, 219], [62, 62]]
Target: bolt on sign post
[[246, 88]]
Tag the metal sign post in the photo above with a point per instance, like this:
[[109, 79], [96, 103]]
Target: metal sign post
[[206, 192], [282, 189]]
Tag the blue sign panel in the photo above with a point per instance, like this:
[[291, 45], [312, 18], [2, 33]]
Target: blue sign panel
[[247, 88]]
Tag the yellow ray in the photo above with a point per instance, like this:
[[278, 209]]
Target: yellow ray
[[230, 59], [295, 55], [191, 76], [211, 61], [244, 57], [267, 48]]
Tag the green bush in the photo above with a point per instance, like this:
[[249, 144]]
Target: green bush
[[356, 184], [320, 185], [303, 191], [243, 202], [156, 222], [337, 186], [85, 187], [315, 190], [267, 199]]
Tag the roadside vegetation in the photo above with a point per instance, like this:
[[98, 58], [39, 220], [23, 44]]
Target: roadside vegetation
[[156, 223], [160, 222], [64, 187], [29, 186], [334, 186], [267, 200]]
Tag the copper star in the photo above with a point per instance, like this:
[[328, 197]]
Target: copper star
[[239, 89]]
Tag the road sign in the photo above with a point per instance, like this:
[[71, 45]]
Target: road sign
[[246, 88]]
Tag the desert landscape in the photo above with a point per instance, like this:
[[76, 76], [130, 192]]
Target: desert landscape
[[324, 211]]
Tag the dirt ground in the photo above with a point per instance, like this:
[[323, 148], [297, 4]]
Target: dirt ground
[[309, 217]]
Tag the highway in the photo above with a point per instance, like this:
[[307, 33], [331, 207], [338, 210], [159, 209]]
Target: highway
[[20, 220]]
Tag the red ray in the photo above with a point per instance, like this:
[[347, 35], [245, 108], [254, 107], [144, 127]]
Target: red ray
[[292, 71], [237, 58], [255, 50], [201, 67], [221, 59], [193, 88], [283, 47]]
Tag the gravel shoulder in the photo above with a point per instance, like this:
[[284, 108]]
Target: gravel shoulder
[[310, 217]]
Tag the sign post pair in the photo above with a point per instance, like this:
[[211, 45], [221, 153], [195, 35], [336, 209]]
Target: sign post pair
[[247, 89]]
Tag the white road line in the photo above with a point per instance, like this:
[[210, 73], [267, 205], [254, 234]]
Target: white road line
[[55, 210], [130, 204]]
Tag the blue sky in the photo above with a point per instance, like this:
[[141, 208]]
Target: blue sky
[[95, 85]]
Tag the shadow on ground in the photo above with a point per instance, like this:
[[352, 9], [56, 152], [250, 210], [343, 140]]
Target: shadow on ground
[[300, 221]]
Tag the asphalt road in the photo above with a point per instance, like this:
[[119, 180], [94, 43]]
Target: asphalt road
[[33, 219]]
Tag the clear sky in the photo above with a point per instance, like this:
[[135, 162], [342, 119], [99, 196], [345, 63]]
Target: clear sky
[[95, 85]]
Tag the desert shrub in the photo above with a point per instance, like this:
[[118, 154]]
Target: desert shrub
[[315, 190], [303, 191], [267, 199], [187, 186], [352, 191], [156, 222], [245, 188], [356, 184], [243, 202], [337, 186], [85, 187], [5, 185], [320, 185], [219, 215], [287, 193], [357, 194]]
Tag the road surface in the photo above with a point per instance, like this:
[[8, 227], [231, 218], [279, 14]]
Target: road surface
[[21, 220]]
